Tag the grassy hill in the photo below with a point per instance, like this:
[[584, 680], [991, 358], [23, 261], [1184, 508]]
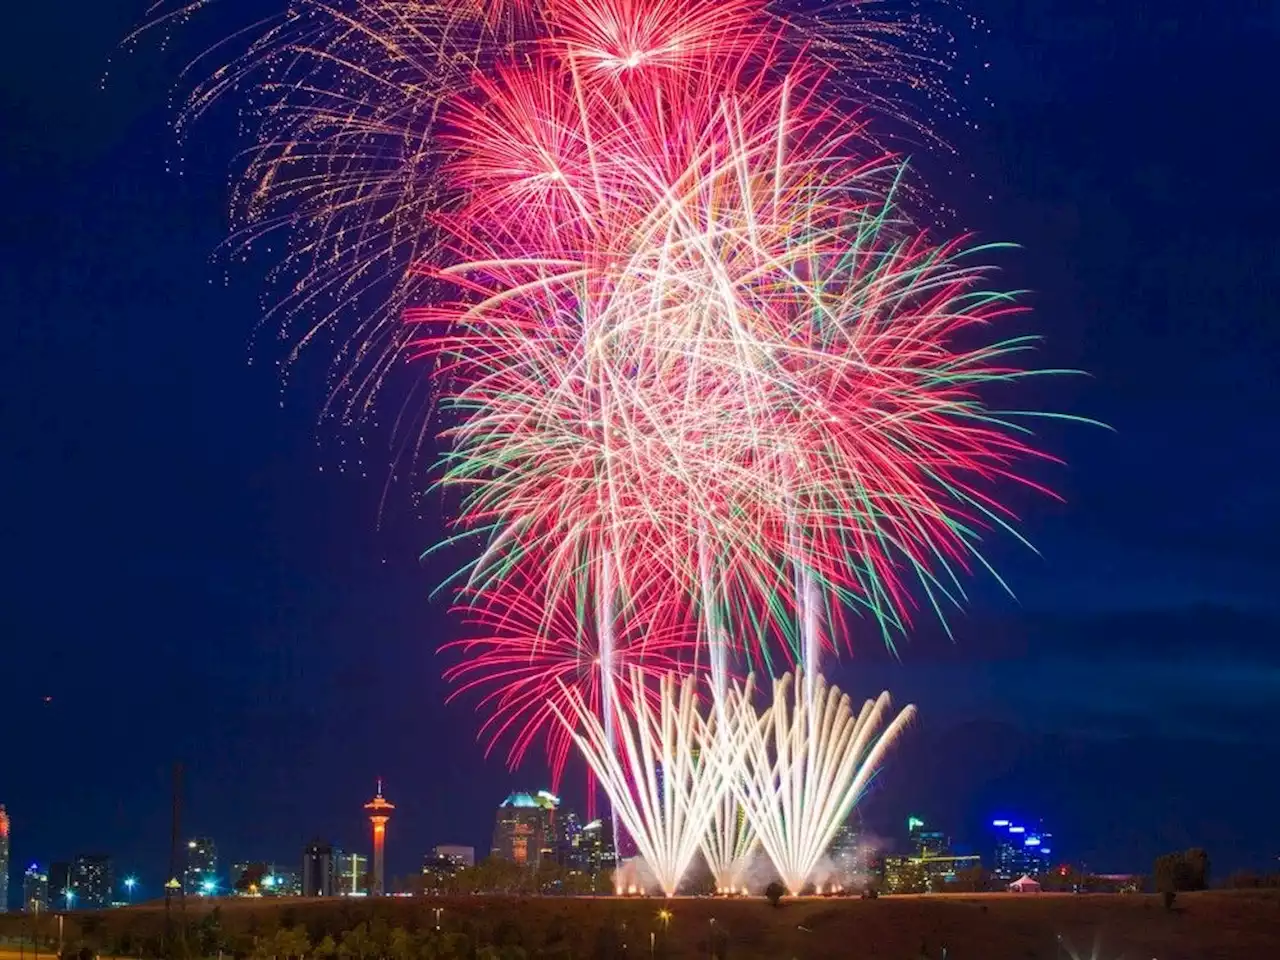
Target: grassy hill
[[1222, 925]]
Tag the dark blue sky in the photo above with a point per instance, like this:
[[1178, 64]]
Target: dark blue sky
[[189, 576]]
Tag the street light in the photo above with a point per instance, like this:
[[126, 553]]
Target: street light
[[439, 910], [129, 884]]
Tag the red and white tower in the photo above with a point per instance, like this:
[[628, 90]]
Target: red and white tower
[[379, 813]]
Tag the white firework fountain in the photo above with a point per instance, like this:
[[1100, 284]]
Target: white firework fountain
[[796, 769], [803, 764], [657, 767]]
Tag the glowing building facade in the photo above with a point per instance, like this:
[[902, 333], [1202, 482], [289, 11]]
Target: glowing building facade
[[442, 864], [91, 881], [35, 889], [201, 875], [926, 843], [4, 859], [1020, 850], [350, 874], [523, 830]]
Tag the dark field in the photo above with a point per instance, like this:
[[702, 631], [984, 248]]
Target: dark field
[[1206, 926]]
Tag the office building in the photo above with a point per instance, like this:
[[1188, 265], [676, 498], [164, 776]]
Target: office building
[[847, 855], [595, 844], [1020, 850], [200, 878], [925, 874], [926, 843], [523, 827], [4, 860], [939, 871], [91, 881], [351, 874], [380, 810], [35, 890], [568, 835], [456, 854], [442, 864], [317, 870]]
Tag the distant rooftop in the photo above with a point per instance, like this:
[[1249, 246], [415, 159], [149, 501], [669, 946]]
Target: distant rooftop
[[542, 799]]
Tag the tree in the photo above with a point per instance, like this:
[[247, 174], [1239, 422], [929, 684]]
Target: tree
[[970, 880], [549, 876], [356, 943], [291, 943], [380, 935], [327, 948], [774, 893], [400, 945], [1176, 872]]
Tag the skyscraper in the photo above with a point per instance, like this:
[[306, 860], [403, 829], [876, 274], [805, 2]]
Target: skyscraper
[[926, 843], [4, 860], [522, 829], [317, 870], [443, 864], [1021, 850], [201, 875], [92, 882], [379, 813], [595, 847], [350, 872], [844, 853], [35, 890]]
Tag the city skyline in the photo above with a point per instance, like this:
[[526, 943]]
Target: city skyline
[[266, 594], [529, 826]]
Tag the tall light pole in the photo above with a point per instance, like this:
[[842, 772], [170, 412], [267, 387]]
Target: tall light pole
[[129, 884]]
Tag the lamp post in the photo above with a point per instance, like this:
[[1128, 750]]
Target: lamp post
[[129, 884]]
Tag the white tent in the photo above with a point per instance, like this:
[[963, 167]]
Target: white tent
[[1024, 885]]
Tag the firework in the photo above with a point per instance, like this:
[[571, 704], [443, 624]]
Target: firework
[[524, 664], [339, 101], [659, 773], [749, 364], [802, 764]]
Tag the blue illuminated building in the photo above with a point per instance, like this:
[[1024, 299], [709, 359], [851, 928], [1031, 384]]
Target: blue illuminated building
[[1021, 850]]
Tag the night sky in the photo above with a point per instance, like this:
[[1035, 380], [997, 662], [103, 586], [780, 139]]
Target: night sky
[[190, 573]]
